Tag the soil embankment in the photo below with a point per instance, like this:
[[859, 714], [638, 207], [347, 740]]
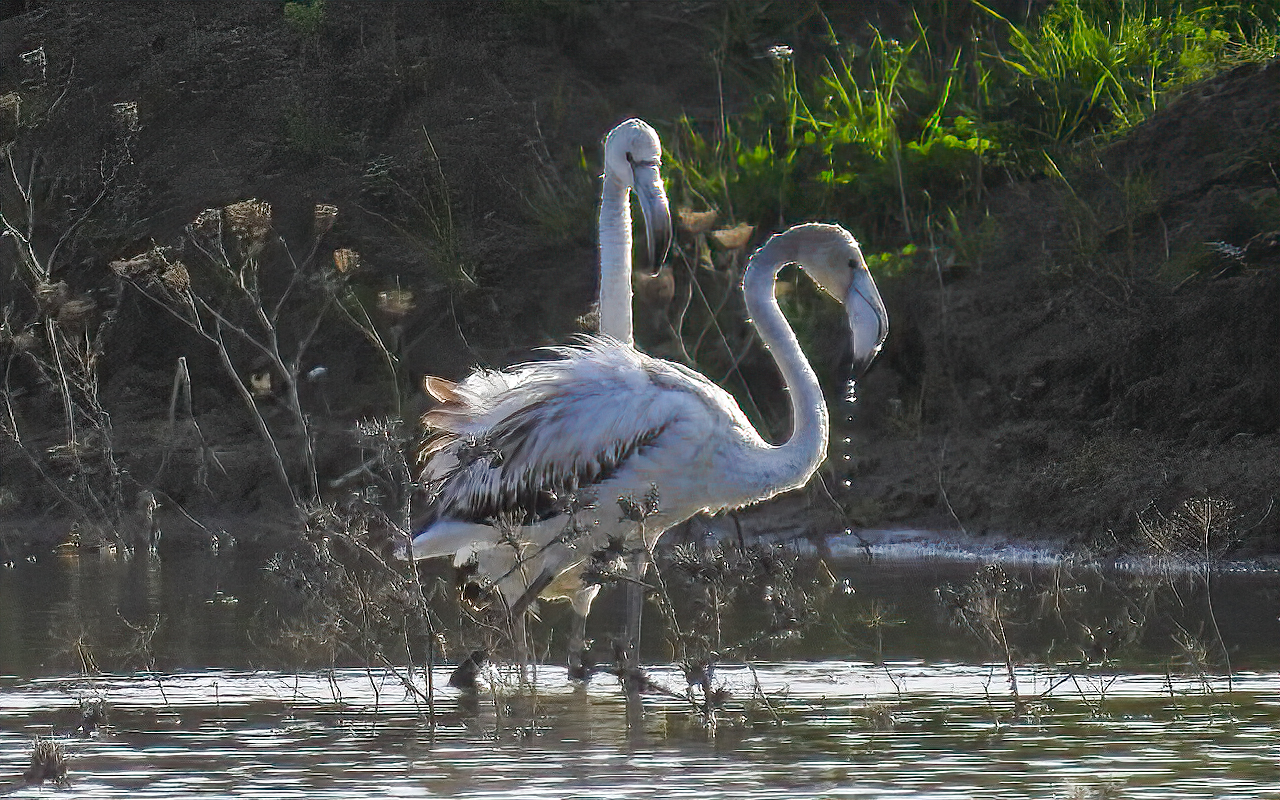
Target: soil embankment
[[1098, 344]]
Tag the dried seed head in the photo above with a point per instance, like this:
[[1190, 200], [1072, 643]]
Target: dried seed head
[[249, 219], [134, 267], [324, 217], [395, 302], [48, 762], [695, 222], [176, 277], [346, 260], [207, 222], [734, 238], [51, 296]]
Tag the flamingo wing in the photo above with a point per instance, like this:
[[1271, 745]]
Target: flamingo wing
[[519, 441]]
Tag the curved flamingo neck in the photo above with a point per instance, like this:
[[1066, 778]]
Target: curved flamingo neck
[[615, 260], [791, 464]]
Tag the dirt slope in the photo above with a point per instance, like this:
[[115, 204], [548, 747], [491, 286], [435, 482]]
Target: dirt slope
[[1046, 377], [1118, 346]]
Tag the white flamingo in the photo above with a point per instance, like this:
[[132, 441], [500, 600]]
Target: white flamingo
[[538, 441], [632, 158], [632, 161]]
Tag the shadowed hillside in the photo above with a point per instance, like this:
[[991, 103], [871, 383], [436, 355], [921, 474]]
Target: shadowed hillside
[[1088, 346]]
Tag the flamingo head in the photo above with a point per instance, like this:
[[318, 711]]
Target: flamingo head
[[633, 156], [832, 257]]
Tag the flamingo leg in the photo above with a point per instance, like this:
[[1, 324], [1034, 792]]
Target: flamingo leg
[[579, 670], [577, 644], [519, 633], [637, 566]]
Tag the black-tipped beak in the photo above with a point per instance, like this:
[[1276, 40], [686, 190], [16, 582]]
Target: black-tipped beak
[[657, 212], [868, 321]]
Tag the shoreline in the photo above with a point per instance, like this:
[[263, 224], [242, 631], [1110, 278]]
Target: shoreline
[[27, 537]]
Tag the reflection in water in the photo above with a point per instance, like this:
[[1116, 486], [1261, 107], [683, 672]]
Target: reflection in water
[[196, 611], [843, 729], [924, 724]]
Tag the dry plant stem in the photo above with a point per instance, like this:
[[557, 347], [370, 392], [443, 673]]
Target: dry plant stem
[[52, 337], [635, 595], [713, 313], [764, 698], [34, 462], [942, 458], [370, 332], [724, 341], [421, 607], [902, 188], [669, 611], [182, 388], [996, 630], [192, 310], [1206, 529], [677, 327], [247, 397]]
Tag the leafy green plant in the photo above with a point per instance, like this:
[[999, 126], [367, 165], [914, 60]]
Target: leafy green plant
[[305, 16], [1090, 68], [896, 137]]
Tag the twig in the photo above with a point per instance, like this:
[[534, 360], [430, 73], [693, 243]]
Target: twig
[[942, 458]]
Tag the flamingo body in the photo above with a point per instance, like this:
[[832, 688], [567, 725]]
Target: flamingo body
[[556, 448]]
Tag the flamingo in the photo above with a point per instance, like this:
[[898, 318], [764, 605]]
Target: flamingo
[[546, 448], [632, 162], [632, 158]]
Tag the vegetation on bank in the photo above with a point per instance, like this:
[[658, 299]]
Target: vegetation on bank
[[913, 137], [901, 135]]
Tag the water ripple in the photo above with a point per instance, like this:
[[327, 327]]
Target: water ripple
[[843, 729]]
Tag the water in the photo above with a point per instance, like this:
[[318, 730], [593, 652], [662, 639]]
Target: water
[[221, 717]]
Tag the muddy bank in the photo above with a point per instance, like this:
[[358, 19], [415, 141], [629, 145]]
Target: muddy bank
[[1108, 350], [1091, 349]]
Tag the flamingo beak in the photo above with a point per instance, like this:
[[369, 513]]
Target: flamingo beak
[[657, 212], [868, 320]]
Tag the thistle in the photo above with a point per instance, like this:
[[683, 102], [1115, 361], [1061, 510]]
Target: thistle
[[250, 220], [48, 762]]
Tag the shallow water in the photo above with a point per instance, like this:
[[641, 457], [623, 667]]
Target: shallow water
[[225, 612], [842, 730], [816, 719]]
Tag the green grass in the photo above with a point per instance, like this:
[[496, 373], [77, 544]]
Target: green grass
[[899, 138]]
